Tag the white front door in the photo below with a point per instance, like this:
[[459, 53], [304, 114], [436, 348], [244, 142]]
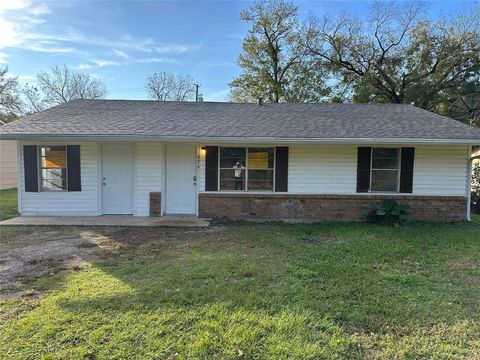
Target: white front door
[[117, 179], [181, 184]]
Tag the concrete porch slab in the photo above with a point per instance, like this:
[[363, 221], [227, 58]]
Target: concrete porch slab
[[109, 220]]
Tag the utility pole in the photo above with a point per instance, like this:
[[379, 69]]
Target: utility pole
[[196, 92]]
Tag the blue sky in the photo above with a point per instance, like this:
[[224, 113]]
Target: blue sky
[[122, 42]]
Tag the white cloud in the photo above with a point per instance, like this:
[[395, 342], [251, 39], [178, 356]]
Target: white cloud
[[3, 58], [10, 33], [120, 53], [157, 60], [96, 63], [83, 66], [13, 4], [39, 10], [102, 63], [24, 24], [176, 48], [17, 20], [46, 49]]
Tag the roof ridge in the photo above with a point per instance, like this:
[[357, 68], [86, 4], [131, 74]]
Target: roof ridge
[[241, 103]]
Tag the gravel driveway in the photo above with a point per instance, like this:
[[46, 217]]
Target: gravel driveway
[[27, 253]]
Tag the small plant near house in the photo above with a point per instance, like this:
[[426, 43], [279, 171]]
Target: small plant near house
[[388, 212]]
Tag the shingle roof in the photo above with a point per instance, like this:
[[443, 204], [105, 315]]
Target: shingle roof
[[153, 119]]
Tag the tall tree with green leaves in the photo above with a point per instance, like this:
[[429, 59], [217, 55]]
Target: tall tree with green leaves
[[399, 57], [273, 62]]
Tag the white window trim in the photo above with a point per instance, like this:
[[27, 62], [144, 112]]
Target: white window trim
[[40, 168], [245, 190], [398, 170]]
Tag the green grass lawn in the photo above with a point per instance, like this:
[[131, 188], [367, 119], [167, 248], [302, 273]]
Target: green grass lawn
[[276, 291], [8, 203]]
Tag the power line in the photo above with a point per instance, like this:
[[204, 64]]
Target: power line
[[132, 89], [197, 86]]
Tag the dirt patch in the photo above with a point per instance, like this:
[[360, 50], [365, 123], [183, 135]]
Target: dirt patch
[[462, 264], [30, 252], [39, 253]]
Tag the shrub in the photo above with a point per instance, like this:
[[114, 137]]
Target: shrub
[[388, 212]]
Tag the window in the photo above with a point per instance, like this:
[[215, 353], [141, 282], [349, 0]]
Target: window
[[385, 170], [246, 168], [53, 168], [260, 169], [232, 168]]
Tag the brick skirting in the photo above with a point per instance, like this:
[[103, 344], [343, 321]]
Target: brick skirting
[[155, 204], [326, 207]]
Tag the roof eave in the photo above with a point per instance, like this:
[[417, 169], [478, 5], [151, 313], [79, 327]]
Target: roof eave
[[253, 140]]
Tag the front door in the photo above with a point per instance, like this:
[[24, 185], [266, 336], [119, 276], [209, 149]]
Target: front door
[[117, 179], [181, 184]]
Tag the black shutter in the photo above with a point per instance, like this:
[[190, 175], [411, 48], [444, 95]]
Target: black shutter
[[281, 169], [30, 164], [73, 168], [363, 169], [211, 168], [406, 169]]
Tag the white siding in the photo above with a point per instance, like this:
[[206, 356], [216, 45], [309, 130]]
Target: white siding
[[440, 170], [8, 164], [148, 175], [322, 169], [83, 202], [332, 169]]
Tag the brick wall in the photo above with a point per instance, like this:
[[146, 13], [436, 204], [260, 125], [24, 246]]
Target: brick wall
[[155, 204], [326, 207]]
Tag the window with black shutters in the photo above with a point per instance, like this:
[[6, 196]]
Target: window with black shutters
[[247, 169], [387, 169], [52, 168]]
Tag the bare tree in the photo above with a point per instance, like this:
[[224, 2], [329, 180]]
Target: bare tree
[[163, 86], [33, 99], [61, 85], [10, 103]]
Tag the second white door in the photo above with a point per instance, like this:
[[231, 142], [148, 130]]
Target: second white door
[[181, 184], [117, 179]]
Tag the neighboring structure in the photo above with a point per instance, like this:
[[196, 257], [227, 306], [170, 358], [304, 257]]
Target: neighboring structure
[[8, 164], [275, 161], [476, 155]]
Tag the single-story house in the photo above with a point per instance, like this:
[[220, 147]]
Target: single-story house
[[265, 161]]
